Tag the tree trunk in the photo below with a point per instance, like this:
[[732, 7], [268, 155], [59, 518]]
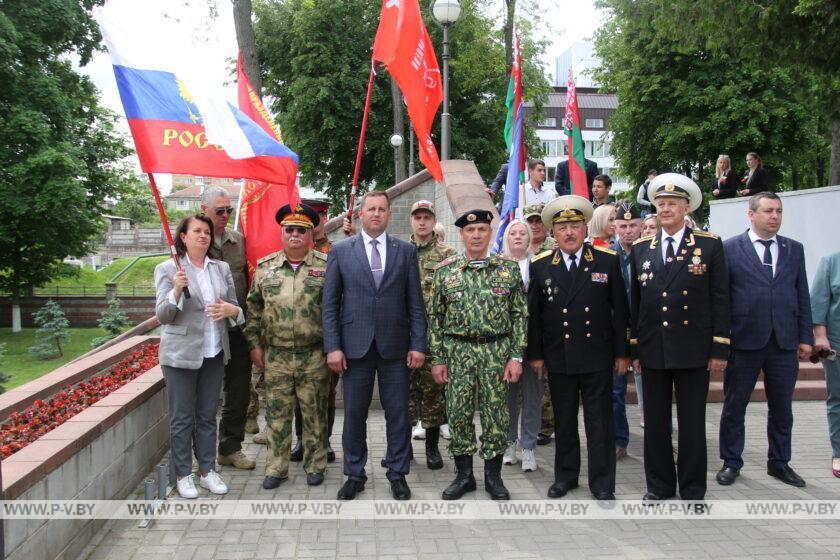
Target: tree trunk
[[16, 324], [820, 172], [247, 41], [399, 128], [834, 163], [511, 9]]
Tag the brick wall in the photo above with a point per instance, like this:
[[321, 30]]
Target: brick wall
[[80, 311]]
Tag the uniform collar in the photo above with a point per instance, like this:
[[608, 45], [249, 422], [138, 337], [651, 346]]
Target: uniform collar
[[431, 243]]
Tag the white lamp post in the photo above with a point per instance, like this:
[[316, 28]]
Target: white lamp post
[[446, 12]]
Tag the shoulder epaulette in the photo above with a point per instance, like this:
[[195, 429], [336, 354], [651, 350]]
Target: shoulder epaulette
[[644, 239], [604, 250], [447, 261], [542, 255], [319, 255], [703, 233], [267, 257]]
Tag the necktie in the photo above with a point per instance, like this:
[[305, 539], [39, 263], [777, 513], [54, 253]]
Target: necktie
[[768, 257], [375, 263], [669, 252], [573, 264]]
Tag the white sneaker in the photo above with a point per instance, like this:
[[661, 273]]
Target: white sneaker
[[444, 431], [186, 487], [214, 483], [419, 432], [510, 454], [529, 460]]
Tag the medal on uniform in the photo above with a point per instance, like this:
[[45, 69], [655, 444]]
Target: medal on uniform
[[646, 265], [643, 277], [695, 259], [698, 251]]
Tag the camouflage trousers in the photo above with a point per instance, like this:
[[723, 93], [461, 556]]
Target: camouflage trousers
[[547, 422], [296, 374], [257, 392], [475, 371], [425, 398]]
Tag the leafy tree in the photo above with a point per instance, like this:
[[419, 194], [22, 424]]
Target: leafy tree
[[52, 331], [4, 377], [113, 320], [136, 201], [316, 79], [679, 109], [58, 147], [798, 34]]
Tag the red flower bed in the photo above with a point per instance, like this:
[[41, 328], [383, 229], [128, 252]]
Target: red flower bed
[[22, 428]]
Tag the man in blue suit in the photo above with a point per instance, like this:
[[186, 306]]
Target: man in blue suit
[[771, 331], [374, 321]]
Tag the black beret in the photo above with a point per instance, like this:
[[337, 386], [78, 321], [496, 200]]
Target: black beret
[[474, 217]]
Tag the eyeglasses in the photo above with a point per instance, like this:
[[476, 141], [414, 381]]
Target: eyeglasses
[[222, 211], [295, 229]]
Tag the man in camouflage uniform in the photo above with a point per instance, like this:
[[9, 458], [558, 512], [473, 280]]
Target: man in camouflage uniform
[[425, 397], [286, 338], [477, 316], [540, 243], [322, 245]]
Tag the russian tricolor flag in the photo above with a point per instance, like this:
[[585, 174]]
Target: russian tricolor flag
[[179, 127]]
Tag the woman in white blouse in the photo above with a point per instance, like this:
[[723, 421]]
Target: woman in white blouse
[[194, 305]]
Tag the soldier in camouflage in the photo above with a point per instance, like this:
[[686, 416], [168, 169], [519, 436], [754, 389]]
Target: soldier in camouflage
[[477, 317], [425, 397], [541, 242], [286, 338]]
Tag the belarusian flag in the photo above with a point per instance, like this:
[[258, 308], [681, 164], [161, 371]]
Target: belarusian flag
[[577, 166]]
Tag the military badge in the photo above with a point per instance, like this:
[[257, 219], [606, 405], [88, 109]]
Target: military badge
[[698, 251], [316, 273], [588, 257], [600, 277], [643, 277], [646, 265], [695, 259], [697, 269]]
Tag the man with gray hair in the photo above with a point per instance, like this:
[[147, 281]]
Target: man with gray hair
[[229, 246]]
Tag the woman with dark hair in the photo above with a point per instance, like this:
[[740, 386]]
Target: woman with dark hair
[[755, 179], [194, 349], [724, 185]]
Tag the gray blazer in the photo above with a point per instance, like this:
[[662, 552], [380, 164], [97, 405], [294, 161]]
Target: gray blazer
[[182, 333]]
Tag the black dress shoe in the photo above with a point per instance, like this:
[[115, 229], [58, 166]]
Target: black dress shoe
[[604, 496], [272, 482], [727, 475], [651, 497], [314, 478], [543, 439], [296, 455], [383, 464], [330, 454], [786, 475], [400, 489], [350, 489], [560, 489]]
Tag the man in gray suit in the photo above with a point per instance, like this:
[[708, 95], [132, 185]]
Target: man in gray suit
[[374, 321]]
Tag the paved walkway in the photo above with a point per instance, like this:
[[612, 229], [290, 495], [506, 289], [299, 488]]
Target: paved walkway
[[495, 539]]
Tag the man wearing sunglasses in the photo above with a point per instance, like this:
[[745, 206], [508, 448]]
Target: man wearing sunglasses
[[285, 333], [229, 246]]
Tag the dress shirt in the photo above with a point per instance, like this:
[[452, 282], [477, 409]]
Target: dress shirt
[[677, 241], [381, 246], [759, 248], [542, 195], [569, 260], [212, 342], [524, 270]]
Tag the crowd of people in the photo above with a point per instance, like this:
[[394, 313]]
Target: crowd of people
[[584, 293]]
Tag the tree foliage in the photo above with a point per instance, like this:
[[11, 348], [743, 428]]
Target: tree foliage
[[136, 201], [58, 147], [52, 331], [680, 108], [113, 320], [315, 57]]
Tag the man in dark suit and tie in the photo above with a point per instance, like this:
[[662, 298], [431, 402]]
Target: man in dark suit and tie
[[771, 328], [374, 321], [562, 184]]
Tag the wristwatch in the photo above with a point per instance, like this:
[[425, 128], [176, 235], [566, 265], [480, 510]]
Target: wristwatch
[[515, 359]]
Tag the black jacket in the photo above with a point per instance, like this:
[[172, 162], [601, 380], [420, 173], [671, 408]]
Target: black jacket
[[577, 325], [561, 177], [759, 182], [728, 187], [679, 318]]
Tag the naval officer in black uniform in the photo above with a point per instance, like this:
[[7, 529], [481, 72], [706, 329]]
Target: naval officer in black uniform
[[679, 334], [577, 332]]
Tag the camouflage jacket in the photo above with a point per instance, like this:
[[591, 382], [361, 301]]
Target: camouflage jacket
[[284, 305], [547, 245], [472, 301], [429, 257]]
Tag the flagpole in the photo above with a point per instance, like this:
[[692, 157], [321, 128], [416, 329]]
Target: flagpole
[[165, 223], [361, 145], [238, 206]]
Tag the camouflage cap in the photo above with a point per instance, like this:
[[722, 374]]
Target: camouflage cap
[[423, 205], [532, 210]]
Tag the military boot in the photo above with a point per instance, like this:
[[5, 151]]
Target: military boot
[[464, 480], [433, 459], [296, 454], [493, 479]]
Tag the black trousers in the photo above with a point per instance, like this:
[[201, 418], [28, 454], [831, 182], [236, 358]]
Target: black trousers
[[690, 386], [358, 382], [237, 391], [595, 391]]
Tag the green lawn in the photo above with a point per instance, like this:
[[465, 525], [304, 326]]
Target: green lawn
[[23, 367], [141, 274]]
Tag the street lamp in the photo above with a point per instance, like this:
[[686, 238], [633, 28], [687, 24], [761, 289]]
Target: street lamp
[[396, 141], [446, 12]]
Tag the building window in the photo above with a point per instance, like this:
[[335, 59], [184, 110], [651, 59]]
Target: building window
[[182, 204], [549, 148], [548, 122], [594, 123]]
